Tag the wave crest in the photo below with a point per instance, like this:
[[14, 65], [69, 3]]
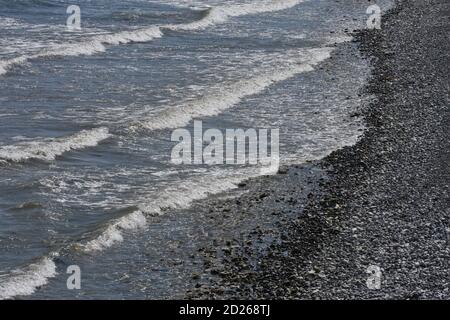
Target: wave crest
[[113, 233], [49, 149], [221, 14], [25, 281], [172, 198], [95, 45], [98, 43], [214, 103]]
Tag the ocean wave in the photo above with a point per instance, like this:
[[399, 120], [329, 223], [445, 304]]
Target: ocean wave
[[221, 14], [214, 103], [49, 149], [95, 45], [113, 232], [25, 281], [5, 65], [181, 196], [98, 43], [172, 198], [6, 23]]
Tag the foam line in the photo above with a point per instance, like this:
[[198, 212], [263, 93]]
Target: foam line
[[25, 281], [49, 149]]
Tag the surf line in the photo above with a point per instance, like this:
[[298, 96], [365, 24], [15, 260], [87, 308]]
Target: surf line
[[97, 44]]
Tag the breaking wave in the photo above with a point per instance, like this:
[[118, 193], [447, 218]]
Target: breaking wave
[[98, 43], [113, 232], [25, 281], [172, 198], [49, 149], [221, 14], [214, 103]]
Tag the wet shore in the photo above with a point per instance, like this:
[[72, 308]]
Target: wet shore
[[382, 203]]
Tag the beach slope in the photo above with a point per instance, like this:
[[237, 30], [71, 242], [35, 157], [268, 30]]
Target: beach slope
[[382, 204]]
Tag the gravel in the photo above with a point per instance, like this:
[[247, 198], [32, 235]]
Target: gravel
[[382, 202]]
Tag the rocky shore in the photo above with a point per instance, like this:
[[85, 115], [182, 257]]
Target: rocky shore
[[383, 202]]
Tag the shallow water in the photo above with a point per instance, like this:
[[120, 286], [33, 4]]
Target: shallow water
[[86, 119]]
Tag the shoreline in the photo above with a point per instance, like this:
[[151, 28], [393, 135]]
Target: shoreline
[[382, 202]]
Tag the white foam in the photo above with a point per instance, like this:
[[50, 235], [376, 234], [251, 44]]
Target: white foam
[[49, 149], [181, 196], [171, 198], [7, 64], [213, 103], [221, 14], [338, 39], [6, 23], [113, 233], [25, 281], [98, 43], [95, 45]]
